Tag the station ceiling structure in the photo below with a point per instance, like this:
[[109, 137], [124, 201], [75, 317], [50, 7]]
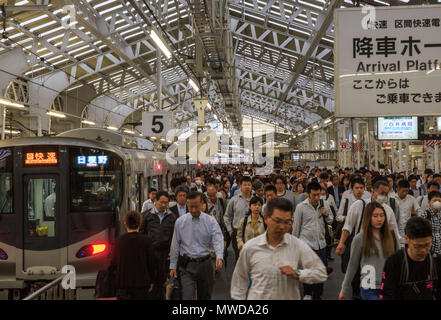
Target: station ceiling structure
[[98, 61]]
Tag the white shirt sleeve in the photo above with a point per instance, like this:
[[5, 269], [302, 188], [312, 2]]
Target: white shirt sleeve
[[352, 217], [311, 268]]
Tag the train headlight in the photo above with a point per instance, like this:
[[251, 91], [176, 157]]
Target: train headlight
[[92, 250], [3, 255]]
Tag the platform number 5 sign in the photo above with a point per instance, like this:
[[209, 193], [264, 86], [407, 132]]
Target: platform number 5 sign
[[156, 124]]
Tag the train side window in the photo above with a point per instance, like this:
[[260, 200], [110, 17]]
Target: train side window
[[6, 195], [96, 181]]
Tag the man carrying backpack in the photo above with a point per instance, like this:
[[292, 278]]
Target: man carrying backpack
[[413, 272]]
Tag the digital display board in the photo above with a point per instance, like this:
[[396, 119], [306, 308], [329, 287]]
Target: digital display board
[[41, 158], [438, 121], [91, 161], [397, 128]]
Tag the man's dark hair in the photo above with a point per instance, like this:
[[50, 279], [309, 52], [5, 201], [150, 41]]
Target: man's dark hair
[[175, 182], [256, 199], [270, 188], [418, 227], [433, 194], [181, 189], [133, 220], [211, 181], [412, 177], [162, 194], [428, 171], [403, 184], [245, 179], [152, 190], [357, 181], [379, 183], [324, 176], [278, 203], [193, 195], [313, 186], [433, 183], [279, 177], [436, 175], [257, 185]]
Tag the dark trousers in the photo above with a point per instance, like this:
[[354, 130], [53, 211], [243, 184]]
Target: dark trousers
[[234, 243], [316, 290], [161, 276], [197, 280]]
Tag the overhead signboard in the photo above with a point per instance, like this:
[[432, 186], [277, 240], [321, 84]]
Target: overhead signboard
[[387, 61], [156, 124], [397, 128]]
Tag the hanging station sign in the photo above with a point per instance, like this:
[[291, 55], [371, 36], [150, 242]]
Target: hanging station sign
[[387, 61]]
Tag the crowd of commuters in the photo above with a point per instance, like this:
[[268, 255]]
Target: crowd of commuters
[[282, 227]]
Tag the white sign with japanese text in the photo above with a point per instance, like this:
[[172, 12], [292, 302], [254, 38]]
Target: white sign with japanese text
[[391, 68], [156, 124], [397, 128]]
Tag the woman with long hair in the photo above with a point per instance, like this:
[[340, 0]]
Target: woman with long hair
[[369, 250]]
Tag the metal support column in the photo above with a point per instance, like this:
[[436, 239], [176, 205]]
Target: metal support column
[[436, 158], [3, 122], [158, 69]]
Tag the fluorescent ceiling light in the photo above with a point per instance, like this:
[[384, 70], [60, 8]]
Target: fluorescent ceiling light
[[56, 114], [129, 131], [88, 122], [307, 130], [11, 103], [209, 106], [112, 128], [153, 138], [315, 127], [12, 131], [327, 121], [194, 85], [160, 44]]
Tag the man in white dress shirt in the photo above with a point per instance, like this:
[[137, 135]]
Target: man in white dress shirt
[[271, 265]]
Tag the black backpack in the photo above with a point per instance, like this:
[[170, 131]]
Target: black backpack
[[404, 278], [105, 283]]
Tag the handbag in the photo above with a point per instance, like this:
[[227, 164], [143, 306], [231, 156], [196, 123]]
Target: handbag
[[173, 290]]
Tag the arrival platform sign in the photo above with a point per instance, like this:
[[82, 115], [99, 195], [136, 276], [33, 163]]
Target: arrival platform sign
[[387, 61]]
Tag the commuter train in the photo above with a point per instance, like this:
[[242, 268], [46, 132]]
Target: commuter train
[[62, 201]]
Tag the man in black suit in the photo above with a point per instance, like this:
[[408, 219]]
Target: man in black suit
[[181, 198], [336, 190]]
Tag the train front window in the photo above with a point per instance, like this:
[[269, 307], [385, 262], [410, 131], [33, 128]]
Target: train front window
[[96, 182], [6, 181]]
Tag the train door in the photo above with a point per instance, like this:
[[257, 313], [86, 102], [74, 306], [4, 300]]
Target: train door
[[41, 222]]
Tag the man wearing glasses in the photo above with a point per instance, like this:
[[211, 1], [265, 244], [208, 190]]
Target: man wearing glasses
[[310, 222], [271, 265]]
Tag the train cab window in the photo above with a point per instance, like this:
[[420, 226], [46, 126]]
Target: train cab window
[[6, 195], [96, 182], [42, 206]]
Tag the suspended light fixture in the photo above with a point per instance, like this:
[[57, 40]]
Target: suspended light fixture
[[194, 85], [160, 44], [88, 122], [10, 103], [112, 128], [56, 114], [129, 131]]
